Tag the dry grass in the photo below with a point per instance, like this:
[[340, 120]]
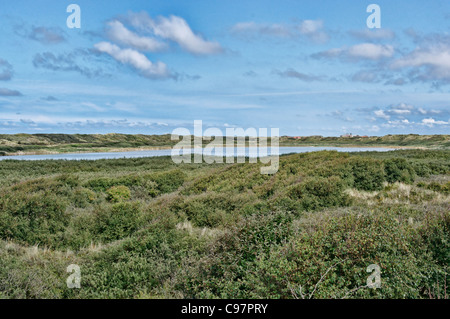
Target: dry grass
[[399, 193], [198, 231]]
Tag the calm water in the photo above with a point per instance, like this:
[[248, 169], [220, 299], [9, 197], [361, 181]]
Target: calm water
[[248, 151]]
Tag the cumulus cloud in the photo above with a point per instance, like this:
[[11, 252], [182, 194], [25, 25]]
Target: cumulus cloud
[[291, 73], [117, 32], [6, 70], [367, 51], [132, 35], [175, 29], [135, 59], [8, 92], [312, 29]]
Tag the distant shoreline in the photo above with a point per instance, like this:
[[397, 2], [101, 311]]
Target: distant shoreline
[[48, 144], [152, 148]]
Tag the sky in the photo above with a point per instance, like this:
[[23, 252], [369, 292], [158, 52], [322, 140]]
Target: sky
[[148, 67]]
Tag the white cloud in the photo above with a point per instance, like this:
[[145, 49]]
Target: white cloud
[[396, 111], [381, 114], [403, 114], [368, 51], [430, 122], [371, 51], [435, 59], [312, 29], [117, 32], [402, 109], [136, 59], [175, 29], [311, 26], [422, 111], [398, 124]]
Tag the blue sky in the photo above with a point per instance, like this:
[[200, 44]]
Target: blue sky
[[305, 67]]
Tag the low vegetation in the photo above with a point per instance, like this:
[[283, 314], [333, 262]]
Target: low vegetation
[[148, 228]]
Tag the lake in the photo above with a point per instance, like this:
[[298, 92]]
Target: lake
[[249, 152]]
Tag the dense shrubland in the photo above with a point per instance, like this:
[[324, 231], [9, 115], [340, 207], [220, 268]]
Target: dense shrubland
[[148, 228]]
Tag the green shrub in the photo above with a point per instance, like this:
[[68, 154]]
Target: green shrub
[[151, 188], [33, 218], [231, 257], [68, 179], [399, 170], [168, 181], [318, 192], [137, 265], [368, 174], [82, 197], [31, 273], [210, 209], [437, 187], [119, 193], [117, 221], [422, 169]]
